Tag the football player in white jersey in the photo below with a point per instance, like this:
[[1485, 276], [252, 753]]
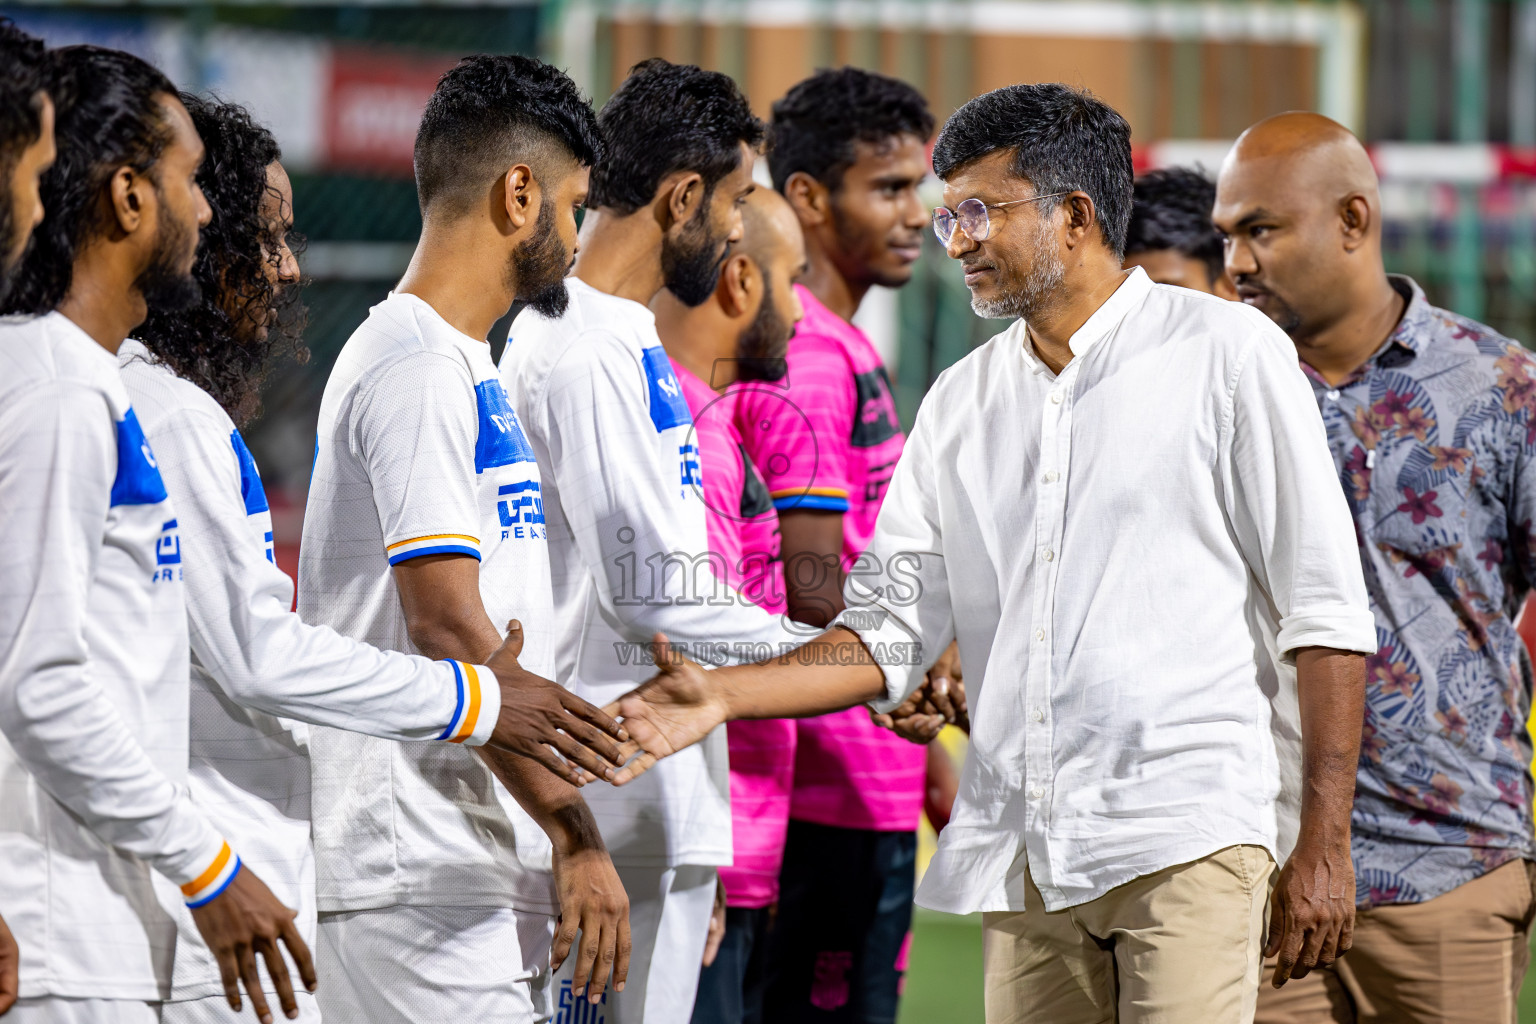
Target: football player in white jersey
[[615, 440], [425, 531], [192, 375], [26, 151], [96, 827]]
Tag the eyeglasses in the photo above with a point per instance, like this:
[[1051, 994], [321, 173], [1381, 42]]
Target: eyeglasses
[[971, 216]]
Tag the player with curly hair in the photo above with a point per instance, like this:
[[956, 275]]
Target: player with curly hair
[[260, 674]]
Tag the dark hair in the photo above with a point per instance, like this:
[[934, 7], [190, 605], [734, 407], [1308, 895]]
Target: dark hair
[[1063, 140], [1172, 210], [213, 343], [23, 70], [669, 117], [817, 123], [110, 115], [489, 111]]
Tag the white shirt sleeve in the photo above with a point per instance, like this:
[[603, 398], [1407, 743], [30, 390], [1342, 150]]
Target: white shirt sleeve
[[1287, 508], [627, 515], [897, 593], [58, 457], [415, 429], [264, 655]]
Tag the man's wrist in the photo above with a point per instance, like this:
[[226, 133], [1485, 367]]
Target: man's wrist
[[572, 830]]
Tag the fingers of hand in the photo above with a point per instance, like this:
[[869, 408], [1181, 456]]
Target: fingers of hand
[[668, 661], [621, 953], [229, 974], [601, 720], [252, 979], [300, 953], [586, 956], [636, 768], [563, 770], [514, 641], [1276, 923], [277, 970], [604, 750], [564, 938]]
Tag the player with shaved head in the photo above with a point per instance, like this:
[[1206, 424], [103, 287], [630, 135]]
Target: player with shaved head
[[1431, 418], [738, 337]]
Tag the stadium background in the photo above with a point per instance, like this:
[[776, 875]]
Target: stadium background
[[1443, 91]]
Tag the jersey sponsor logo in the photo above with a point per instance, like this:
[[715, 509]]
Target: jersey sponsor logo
[[251, 490], [271, 555], [876, 420], [668, 408], [501, 440], [167, 554], [573, 1009], [138, 475], [521, 510], [688, 465]]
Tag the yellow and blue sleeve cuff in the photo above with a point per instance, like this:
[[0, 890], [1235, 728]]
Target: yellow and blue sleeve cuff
[[433, 544], [476, 707], [819, 499], [206, 887]]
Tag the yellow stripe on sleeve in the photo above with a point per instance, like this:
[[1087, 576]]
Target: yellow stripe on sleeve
[[472, 715]]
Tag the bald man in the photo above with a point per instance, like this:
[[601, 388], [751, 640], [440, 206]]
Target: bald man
[[734, 339], [1431, 418]]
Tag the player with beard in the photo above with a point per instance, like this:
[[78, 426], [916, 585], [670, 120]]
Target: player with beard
[[1124, 509], [93, 685], [627, 535], [26, 151], [848, 149], [437, 886], [258, 670], [732, 341]]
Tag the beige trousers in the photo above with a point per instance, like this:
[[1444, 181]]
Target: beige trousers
[[1175, 947], [1456, 959]]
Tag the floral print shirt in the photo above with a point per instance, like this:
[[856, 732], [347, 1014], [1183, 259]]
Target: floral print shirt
[[1435, 440]]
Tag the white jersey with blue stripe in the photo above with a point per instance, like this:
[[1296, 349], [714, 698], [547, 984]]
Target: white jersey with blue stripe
[[93, 681], [420, 453], [259, 672], [613, 434]]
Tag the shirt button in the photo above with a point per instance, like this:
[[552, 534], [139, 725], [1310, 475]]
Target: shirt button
[[1038, 715], [1036, 793], [1051, 477], [1040, 635], [1049, 555], [1055, 397], [1333, 395]]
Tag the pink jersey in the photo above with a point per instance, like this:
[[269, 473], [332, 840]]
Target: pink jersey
[[827, 437], [744, 540]]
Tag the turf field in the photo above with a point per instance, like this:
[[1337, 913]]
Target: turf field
[[944, 980]]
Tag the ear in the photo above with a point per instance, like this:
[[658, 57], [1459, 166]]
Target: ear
[[1356, 221], [683, 198], [520, 196], [740, 287], [809, 198], [129, 193], [1081, 216]]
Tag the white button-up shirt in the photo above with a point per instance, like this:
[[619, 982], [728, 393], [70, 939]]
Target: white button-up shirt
[[1127, 552]]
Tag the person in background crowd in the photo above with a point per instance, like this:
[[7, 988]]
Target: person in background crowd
[[1431, 419], [627, 533], [258, 670], [94, 679], [26, 152], [848, 149], [1146, 441], [738, 336], [441, 870], [1171, 236]]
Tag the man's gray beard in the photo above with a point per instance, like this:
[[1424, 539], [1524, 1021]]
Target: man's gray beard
[[1036, 293]]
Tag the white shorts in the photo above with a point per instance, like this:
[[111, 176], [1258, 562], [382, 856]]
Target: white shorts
[[59, 1010], [669, 912], [215, 1009], [463, 965]]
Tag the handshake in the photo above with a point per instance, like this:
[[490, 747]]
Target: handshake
[[683, 703]]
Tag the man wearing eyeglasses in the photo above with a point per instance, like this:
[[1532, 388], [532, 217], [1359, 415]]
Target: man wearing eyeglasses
[[1124, 508]]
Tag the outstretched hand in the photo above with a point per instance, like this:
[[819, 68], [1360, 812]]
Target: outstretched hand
[[543, 721], [674, 709]]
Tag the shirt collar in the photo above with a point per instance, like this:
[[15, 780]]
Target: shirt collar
[[1412, 330], [1097, 327]]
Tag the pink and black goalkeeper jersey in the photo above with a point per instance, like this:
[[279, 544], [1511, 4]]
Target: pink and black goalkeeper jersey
[[827, 437], [744, 540]]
